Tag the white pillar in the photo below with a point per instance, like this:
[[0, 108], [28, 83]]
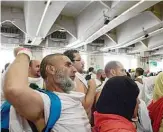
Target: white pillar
[[37, 54], [96, 61], [143, 62]]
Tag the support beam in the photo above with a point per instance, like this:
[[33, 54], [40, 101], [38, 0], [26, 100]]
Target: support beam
[[68, 23], [145, 43], [155, 42], [139, 47], [112, 37], [145, 20], [158, 52], [158, 29], [107, 4], [39, 18], [126, 15], [89, 17]]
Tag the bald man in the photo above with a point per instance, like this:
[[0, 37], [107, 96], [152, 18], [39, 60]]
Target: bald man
[[100, 77], [34, 73], [112, 69]]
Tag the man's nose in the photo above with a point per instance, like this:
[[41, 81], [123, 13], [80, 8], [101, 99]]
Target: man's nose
[[74, 69]]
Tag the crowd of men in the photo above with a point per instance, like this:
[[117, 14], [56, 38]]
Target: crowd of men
[[82, 96]]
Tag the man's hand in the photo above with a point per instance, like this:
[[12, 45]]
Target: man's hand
[[16, 50]]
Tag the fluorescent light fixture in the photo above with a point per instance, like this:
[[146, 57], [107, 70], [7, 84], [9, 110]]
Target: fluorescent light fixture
[[42, 18]]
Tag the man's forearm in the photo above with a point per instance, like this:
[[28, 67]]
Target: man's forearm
[[16, 77], [89, 98]]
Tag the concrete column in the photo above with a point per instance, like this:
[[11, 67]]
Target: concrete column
[[37, 54], [143, 62]]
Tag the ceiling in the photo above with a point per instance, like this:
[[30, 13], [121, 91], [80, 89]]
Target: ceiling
[[74, 8], [131, 27], [15, 4]]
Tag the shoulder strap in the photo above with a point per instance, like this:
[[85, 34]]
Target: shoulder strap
[[55, 106], [5, 105], [5, 109]]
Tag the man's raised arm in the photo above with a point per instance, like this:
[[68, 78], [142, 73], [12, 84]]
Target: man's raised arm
[[26, 101]]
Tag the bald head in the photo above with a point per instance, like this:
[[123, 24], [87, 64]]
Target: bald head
[[100, 74], [58, 72], [111, 65], [49, 60], [114, 68], [99, 71]]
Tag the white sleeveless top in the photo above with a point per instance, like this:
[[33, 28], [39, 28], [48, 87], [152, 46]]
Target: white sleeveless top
[[73, 117]]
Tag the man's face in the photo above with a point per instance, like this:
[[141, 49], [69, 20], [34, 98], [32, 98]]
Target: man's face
[[35, 68], [103, 76], [64, 73], [78, 63]]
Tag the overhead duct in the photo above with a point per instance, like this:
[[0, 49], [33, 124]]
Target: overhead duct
[[58, 36], [11, 34], [99, 41], [9, 30]]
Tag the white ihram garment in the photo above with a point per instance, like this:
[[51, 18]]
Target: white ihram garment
[[73, 117]]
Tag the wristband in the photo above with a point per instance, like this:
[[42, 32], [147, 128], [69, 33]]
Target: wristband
[[25, 51]]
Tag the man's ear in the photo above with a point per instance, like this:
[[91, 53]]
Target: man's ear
[[29, 68], [50, 69], [112, 71]]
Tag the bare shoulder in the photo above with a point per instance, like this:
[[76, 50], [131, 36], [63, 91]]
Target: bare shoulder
[[80, 87], [28, 103]]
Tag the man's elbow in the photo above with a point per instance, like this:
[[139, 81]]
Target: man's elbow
[[87, 106], [11, 93]]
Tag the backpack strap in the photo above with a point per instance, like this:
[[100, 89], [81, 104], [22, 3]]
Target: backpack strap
[[55, 105], [53, 116], [5, 109]]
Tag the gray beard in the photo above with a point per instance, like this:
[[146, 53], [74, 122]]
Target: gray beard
[[65, 83]]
